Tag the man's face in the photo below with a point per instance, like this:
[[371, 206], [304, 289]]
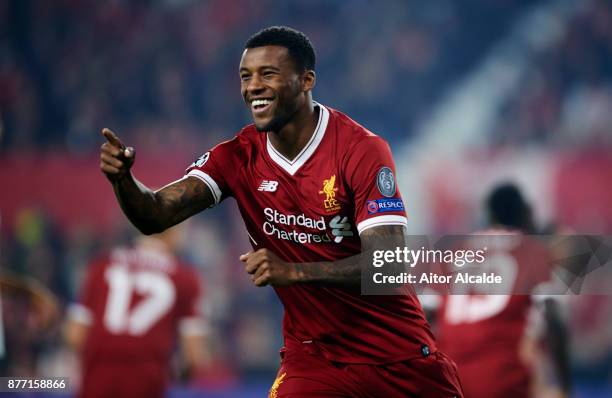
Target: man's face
[[271, 86]]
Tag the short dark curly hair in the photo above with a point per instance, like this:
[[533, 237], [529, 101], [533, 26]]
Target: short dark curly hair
[[507, 206], [299, 45]]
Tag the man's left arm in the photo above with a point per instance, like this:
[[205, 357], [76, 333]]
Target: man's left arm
[[267, 268], [557, 338]]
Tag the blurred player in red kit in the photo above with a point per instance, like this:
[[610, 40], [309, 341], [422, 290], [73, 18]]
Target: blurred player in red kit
[[316, 191], [134, 304], [496, 339]]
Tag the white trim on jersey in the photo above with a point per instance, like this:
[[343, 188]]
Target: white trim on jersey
[[80, 314], [381, 220], [208, 180], [292, 166]]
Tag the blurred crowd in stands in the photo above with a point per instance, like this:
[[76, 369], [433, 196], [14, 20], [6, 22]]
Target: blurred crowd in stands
[[163, 75], [566, 97]]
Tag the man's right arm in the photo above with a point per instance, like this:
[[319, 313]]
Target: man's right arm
[[150, 211]]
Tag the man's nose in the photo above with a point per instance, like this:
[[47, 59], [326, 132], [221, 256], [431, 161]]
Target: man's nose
[[255, 84]]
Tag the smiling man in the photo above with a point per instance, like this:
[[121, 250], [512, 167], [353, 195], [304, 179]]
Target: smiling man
[[317, 192]]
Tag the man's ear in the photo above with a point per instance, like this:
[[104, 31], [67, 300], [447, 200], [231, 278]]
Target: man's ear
[[309, 79]]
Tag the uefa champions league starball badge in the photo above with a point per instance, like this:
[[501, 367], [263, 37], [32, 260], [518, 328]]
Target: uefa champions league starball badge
[[201, 160], [386, 182]]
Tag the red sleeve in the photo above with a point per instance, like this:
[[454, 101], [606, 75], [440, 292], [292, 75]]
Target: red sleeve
[[90, 290], [370, 173], [94, 279], [189, 293], [190, 312], [216, 168]]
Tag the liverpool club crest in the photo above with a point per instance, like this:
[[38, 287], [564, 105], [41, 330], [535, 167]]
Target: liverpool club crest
[[329, 189]]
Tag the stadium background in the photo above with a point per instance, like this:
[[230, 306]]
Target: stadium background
[[467, 93]]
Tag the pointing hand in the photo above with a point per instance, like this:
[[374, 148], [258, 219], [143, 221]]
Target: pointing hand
[[115, 159]]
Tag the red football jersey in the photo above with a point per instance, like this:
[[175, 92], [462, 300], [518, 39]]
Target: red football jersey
[[482, 333], [135, 302], [313, 208]]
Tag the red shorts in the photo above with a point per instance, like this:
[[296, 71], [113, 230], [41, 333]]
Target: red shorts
[[305, 372]]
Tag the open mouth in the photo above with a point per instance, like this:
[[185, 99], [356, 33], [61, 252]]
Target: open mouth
[[261, 105]]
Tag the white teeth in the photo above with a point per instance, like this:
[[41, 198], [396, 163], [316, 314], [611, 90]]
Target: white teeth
[[261, 102]]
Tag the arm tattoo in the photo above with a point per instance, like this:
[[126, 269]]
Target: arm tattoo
[[154, 211], [184, 198], [348, 271]]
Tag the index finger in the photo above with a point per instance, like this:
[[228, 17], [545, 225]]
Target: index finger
[[112, 138], [245, 256]]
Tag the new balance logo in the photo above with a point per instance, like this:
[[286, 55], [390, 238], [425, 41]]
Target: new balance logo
[[268, 186]]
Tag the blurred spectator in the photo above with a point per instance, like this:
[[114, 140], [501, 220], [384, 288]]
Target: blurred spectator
[[28, 315], [133, 305], [496, 339]]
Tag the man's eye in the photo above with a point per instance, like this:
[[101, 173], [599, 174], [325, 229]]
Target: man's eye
[[244, 78], [269, 73]]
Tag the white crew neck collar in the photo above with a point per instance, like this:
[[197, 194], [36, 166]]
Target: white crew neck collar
[[292, 166]]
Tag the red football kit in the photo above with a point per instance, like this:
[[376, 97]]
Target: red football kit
[[135, 302], [482, 333], [313, 208]]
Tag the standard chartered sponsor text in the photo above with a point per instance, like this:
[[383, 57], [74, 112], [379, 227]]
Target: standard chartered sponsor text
[[274, 218]]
